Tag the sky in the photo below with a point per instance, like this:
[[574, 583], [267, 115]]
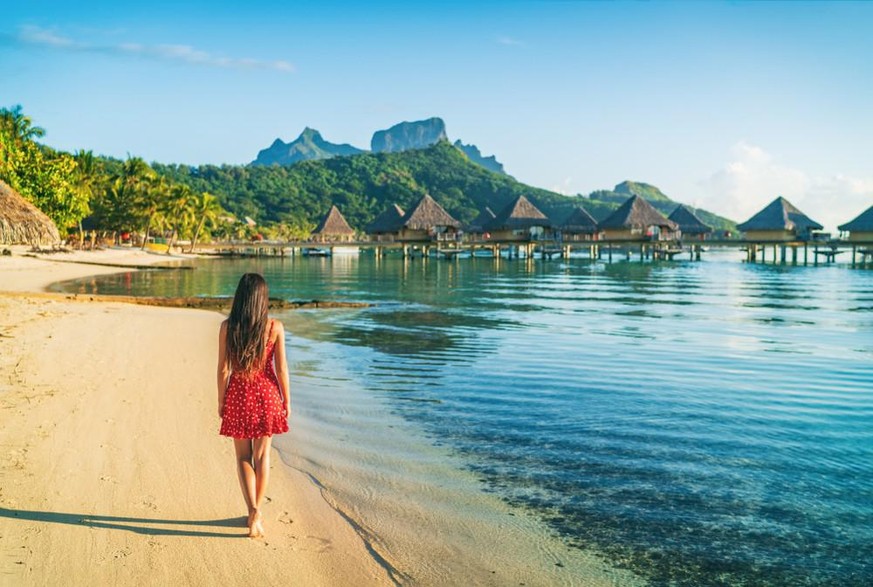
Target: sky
[[722, 105]]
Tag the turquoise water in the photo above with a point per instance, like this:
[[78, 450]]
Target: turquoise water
[[699, 423]]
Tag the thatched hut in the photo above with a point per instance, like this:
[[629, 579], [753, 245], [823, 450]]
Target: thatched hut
[[689, 224], [861, 228], [636, 219], [387, 224], [333, 228], [520, 220], [426, 221], [23, 223], [477, 226], [579, 226], [780, 221]]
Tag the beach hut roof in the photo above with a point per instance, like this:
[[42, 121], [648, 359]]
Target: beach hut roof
[[863, 223], [780, 214], [519, 213], [21, 222], [580, 221], [387, 221], [427, 214], [334, 224], [688, 221], [637, 213], [484, 217]]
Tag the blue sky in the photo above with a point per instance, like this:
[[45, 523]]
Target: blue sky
[[721, 105]]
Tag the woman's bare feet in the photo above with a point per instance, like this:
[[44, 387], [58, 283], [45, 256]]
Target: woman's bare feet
[[256, 528]]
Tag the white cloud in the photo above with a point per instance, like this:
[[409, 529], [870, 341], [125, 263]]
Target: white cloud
[[509, 41], [753, 178], [31, 35]]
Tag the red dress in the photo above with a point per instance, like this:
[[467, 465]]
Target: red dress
[[253, 404]]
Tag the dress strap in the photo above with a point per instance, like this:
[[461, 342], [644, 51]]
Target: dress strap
[[270, 333]]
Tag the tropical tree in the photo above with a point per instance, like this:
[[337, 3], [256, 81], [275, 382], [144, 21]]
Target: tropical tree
[[208, 210], [178, 211], [86, 180], [151, 201]]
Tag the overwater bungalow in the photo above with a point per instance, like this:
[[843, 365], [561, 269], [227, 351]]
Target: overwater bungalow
[[780, 221], [333, 228], [386, 225], [861, 228], [427, 221], [520, 220], [636, 219], [579, 226], [690, 225], [23, 223], [476, 228]]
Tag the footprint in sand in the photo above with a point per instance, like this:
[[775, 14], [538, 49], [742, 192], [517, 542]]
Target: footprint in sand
[[285, 518], [108, 479]]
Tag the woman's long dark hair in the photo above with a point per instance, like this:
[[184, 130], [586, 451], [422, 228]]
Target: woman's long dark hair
[[247, 324]]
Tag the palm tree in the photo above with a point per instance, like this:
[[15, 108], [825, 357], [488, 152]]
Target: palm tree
[[150, 202], [206, 206], [178, 210], [19, 126], [87, 177]]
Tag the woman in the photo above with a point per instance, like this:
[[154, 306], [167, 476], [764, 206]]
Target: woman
[[254, 398]]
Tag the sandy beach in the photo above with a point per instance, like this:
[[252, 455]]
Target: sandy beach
[[111, 468]]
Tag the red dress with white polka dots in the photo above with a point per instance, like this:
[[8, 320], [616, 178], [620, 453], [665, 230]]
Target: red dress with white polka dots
[[253, 404]]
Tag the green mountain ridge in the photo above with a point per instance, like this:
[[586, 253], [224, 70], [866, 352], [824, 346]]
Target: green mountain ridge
[[309, 145], [363, 185]]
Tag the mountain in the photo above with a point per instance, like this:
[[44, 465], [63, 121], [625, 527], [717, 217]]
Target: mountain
[[362, 187], [472, 151], [309, 145], [409, 135], [603, 199]]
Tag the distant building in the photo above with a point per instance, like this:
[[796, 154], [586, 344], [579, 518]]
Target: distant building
[[780, 221], [427, 221], [333, 228], [690, 225], [579, 226], [861, 228], [636, 219], [520, 220], [386, 226]]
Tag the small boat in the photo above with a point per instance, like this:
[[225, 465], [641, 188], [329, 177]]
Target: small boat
[[315, 252]]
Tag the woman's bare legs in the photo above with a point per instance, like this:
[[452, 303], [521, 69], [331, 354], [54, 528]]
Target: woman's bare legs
[[247, 478], [253, 470], [261, 454]]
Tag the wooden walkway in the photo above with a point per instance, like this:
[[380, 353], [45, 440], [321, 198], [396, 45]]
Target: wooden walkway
[[805, 253]]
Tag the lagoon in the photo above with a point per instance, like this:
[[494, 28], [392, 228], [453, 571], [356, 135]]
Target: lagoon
[[686, 423]]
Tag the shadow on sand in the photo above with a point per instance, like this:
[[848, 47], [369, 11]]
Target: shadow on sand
[[147, 526]]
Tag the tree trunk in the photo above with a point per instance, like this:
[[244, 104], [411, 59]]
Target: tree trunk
[[172, 240], [148, 228], [196, 234], [81, 237]]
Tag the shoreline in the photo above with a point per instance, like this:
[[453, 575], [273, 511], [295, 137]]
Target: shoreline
[[97, 455]]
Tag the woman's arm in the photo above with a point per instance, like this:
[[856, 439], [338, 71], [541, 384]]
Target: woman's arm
[[282, 366], [223, 373]]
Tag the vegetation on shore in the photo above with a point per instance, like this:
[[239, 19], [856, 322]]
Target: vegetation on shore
[[82, 191]]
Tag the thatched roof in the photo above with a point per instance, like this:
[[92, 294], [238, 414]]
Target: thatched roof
[[387, 221], [637, 213], [427, 214], [334, 224], [520, 213], [484, 217], [23, 223], [780, 214], [580, 221], [688, 221], [863, 223]]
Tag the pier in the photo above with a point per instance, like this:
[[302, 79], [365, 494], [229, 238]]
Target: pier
[[609, 250]]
